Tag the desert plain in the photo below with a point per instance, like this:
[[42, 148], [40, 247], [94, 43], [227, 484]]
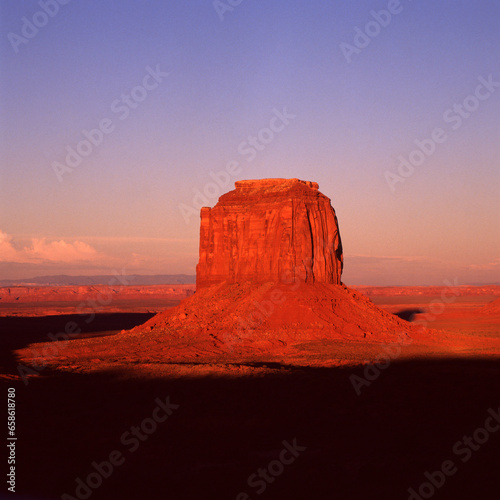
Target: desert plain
[[362, 429]]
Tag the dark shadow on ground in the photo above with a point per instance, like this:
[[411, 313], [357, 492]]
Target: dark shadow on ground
[[408, 314], [375, 445], [18, 332]]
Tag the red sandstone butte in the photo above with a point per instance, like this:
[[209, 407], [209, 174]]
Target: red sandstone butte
[[275, 230], [269, 276]]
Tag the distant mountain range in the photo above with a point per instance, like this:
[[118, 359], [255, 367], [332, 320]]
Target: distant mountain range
[[133, 279]]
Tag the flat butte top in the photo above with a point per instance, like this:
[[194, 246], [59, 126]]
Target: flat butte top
[[271, 188]]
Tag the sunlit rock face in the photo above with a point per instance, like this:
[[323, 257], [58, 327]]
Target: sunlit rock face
[[279, 230]]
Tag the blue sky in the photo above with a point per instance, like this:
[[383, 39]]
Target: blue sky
[[130, 202]]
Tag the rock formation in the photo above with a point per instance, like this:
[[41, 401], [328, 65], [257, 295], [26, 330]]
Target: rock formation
[[268, 278], [276, 230]]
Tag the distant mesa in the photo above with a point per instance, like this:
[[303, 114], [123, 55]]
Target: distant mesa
[[106, 279], [265, 230]]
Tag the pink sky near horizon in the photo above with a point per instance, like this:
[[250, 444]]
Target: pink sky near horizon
[[25, 258]]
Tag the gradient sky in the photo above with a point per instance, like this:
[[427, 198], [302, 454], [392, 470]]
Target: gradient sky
[[122, 206]]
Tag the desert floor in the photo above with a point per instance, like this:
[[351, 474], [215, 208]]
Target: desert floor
[[425, 406]]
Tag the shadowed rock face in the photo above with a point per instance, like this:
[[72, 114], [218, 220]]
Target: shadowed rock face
[[270, 230]]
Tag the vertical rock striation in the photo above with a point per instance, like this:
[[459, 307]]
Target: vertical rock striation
[[276, 230]]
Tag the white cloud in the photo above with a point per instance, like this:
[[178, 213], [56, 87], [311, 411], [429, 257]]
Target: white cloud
[[26, 255], [42, 251], [491, 266], [60, 251], [370, 259], [7, 252]]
